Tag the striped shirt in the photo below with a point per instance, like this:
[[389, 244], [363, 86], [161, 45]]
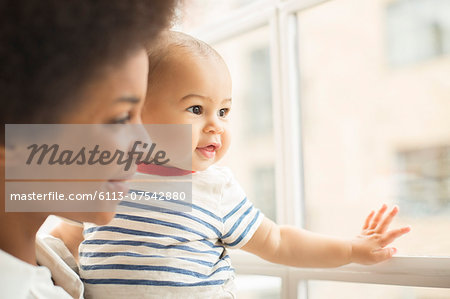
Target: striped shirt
[[148, 252]]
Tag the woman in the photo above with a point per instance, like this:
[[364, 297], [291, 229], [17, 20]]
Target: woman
[[73, 62]]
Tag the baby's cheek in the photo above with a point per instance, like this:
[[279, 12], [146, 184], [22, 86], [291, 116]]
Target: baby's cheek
[[226, 141], [223, 150]]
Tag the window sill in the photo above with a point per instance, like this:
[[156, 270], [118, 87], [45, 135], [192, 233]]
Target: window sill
[[420, 271]]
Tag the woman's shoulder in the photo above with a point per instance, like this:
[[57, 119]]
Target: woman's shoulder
[[21, 279], [53, 253]]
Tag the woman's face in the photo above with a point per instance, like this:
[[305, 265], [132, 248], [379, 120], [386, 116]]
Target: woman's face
[[115, 97]]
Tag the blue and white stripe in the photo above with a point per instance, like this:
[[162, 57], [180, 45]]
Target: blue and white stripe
[[163, 251]]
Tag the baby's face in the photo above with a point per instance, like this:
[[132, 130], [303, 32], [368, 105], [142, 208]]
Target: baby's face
[[193, 90]]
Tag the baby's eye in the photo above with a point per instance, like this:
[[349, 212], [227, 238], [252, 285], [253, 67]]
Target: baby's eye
[[223, 112], [124, 118], [195, 109]]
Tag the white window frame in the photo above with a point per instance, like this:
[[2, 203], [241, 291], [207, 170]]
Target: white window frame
[[281, 16]]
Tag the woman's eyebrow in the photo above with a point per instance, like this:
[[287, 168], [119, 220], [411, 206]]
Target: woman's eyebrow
[[129, 99]]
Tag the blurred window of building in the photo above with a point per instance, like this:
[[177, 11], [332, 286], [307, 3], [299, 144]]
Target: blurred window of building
[[417, 30], [263, 184], [373, 134], [423, 186], [258, 99]]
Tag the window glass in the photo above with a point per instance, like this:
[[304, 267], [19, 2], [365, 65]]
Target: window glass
[[417, 30], [252, 152], [197, 13], [345, 290], [374, 133], [258, 287]]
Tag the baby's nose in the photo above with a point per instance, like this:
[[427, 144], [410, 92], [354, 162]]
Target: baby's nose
[[214, 126]]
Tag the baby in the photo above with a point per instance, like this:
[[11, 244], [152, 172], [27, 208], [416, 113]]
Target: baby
[[165, 253]]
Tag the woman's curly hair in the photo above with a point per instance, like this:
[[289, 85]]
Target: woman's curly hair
[[49, 49]]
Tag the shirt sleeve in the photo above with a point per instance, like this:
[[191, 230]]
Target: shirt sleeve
[[239, 216]]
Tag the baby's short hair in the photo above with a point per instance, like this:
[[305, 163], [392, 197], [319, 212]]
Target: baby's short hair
[[172, 41]]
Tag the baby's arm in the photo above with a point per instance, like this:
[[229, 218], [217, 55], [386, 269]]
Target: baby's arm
[[300, 248]]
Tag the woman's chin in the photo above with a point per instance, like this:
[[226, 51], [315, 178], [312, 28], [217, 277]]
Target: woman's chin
[[116, 186], [102, 218]]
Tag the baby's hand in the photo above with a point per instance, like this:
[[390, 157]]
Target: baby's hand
[[368, 247]]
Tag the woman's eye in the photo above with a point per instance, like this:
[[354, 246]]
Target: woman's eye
[[122, 119], [223, 112], [195, 109]]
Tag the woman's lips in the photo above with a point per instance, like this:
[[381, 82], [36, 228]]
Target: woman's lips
[[120, 183], [208, 151]]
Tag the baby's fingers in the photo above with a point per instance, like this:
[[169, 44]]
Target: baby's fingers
[[383, 226], [378, 216], [367, 223], [390, 236]]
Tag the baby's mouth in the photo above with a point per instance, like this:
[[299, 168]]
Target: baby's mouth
[[208, 151]]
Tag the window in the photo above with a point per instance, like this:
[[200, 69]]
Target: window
[[197, 14], [252, 152], [417, 30], [423, 181], [371, 134], [258, 287], [343, 130], [345, 290]]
